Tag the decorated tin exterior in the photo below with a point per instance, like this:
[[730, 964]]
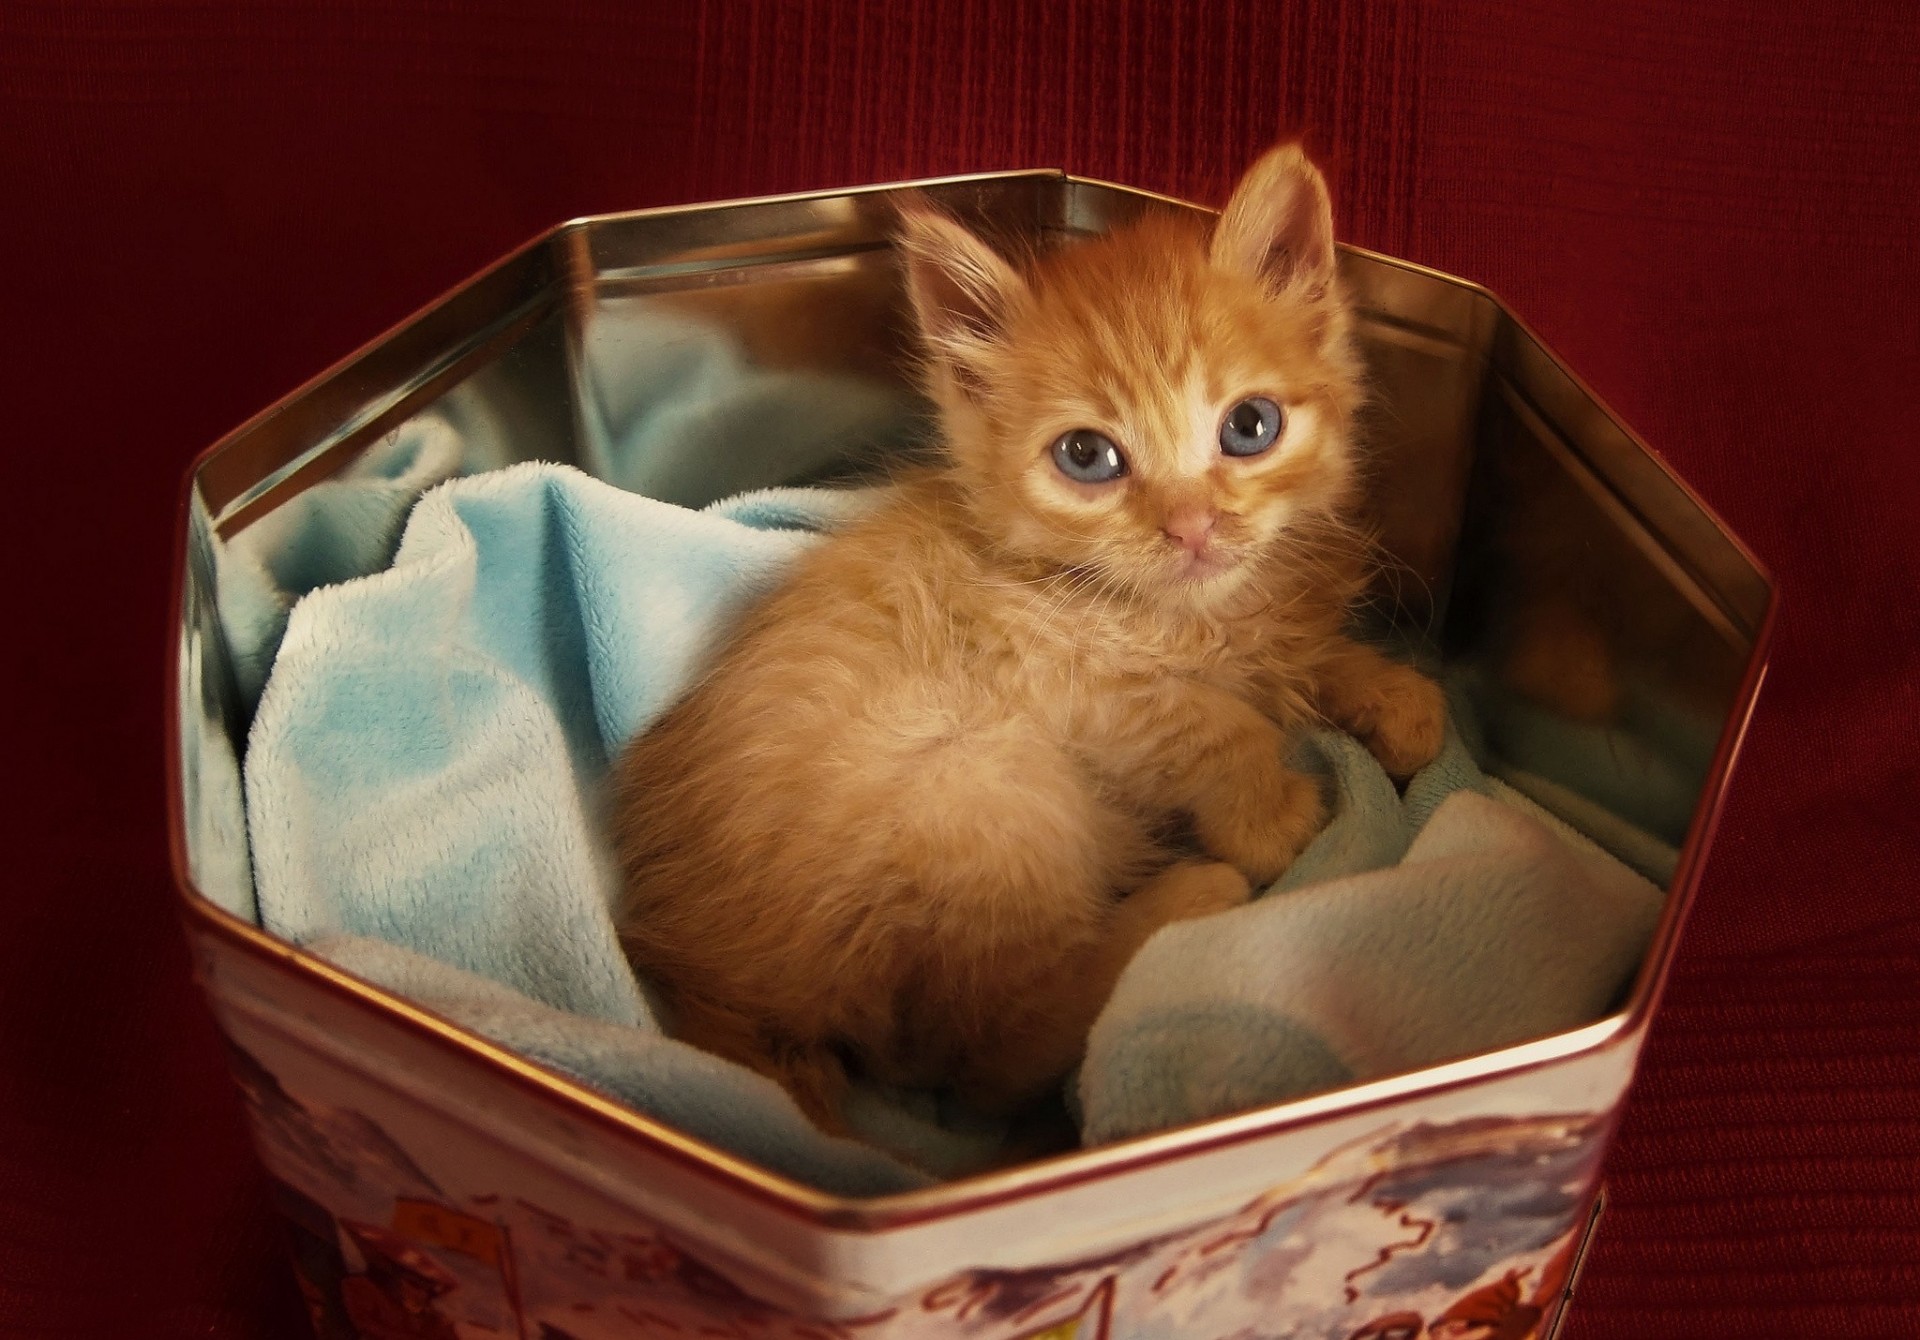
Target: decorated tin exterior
[[435, 1184]]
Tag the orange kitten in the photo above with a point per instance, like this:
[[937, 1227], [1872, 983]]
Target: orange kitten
[[926, 805]]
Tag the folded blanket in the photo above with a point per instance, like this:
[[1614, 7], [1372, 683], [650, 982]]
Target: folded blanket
[[658, 387], [729, 1105], [423, 790], [423, 771], [1492, 924], [341, 528]]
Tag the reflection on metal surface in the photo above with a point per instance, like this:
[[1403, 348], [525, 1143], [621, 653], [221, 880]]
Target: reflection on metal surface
[[1608, 625], [1606, 669], [209, 723], [695, 396]]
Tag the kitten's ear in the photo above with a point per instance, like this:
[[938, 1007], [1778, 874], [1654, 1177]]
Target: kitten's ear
[[962, 290], [1278, 226]]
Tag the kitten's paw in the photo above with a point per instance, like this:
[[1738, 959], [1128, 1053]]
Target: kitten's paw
[[1403, 721], [1263, 831], [1199, 889]]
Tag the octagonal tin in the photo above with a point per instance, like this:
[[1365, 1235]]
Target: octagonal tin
[[435, 1184]]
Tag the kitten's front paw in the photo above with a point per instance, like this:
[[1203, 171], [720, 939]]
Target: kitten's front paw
[[1261, 832], [1406, 722], [1201, 888]]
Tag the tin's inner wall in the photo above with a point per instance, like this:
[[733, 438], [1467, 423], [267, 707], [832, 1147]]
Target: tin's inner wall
[[1596, 619]]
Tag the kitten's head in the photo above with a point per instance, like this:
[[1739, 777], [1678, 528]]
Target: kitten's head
[[1162, 406]]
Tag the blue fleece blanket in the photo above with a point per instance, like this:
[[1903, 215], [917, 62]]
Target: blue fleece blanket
[[423, 801]]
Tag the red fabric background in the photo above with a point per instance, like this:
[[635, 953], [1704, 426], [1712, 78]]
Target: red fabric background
[[1709, 210]]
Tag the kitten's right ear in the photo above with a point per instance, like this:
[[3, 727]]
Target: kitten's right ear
[[1278, 227], [962, 290]]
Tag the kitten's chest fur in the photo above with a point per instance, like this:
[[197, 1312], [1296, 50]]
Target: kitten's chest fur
[[917, 813], [1067, 656]]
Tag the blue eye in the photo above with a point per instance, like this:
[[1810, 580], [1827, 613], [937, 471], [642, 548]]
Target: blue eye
[[1089, 457], [1251, 427]]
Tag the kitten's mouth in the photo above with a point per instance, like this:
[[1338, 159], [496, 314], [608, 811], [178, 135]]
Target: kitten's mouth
[[1203, 566]]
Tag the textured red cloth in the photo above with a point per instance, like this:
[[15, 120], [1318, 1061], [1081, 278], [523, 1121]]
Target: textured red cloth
[[1709, 210]]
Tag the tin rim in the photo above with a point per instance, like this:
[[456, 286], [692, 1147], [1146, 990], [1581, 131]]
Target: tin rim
[[998, 1187]]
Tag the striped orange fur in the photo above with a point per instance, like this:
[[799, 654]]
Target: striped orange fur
[[939, 788]]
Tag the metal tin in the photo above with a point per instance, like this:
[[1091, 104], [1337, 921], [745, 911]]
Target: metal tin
[[435, 1184]]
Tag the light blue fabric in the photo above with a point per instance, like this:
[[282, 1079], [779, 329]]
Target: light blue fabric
[[661, 387], [1457, 919], [423, 782], [340, 528], [687, 1088], [424, 760], [423, 771], [1637, 777]]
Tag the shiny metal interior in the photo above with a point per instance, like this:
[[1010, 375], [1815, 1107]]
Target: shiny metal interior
[[1599, 619]]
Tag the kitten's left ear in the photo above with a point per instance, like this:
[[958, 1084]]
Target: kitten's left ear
[[962, 290], [1278, 226]]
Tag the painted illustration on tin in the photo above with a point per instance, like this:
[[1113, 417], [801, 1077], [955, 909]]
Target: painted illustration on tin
[[1456, 1231]]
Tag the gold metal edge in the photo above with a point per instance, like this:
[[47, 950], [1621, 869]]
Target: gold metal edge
[[1365, 253], [1657, 964], [1201, 1137], [199, 913], [539, 240], [1505, 309], [1703, 826], [1580, 384], [807, 197], [330, 455], [1074, 179], [779, 1191], [945, 1200], [340, 365]]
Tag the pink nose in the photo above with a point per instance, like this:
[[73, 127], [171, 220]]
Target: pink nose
[[1190, 528]]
